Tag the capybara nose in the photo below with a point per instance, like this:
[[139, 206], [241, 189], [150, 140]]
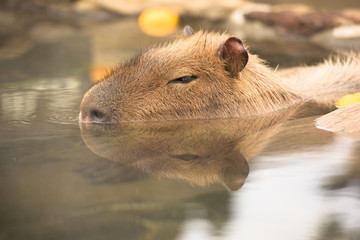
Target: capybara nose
[[93, 107], [93, 115]]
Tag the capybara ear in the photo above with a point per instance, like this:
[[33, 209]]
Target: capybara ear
[[188, 31], [233, 52]]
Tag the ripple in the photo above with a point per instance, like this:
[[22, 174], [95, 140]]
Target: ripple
[[71, 118]]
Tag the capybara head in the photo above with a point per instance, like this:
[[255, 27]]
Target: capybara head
[[200, 75]]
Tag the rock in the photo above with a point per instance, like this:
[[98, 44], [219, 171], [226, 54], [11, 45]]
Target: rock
[[265, 22], [343, 37], [14, 47], [85, 6], [50, 32], [212, 9]]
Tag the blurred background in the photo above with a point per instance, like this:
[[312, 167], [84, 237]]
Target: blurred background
[[115, 30]]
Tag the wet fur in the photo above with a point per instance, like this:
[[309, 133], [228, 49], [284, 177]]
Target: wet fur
[[327, 82]]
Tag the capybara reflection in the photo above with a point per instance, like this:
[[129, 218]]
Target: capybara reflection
[[207, 75], [201, 152]]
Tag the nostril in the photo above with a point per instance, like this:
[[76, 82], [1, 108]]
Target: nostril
[[97, 116]]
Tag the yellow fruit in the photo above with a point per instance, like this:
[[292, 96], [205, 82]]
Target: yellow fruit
[[98, 72], [158, 21], [348, 100]]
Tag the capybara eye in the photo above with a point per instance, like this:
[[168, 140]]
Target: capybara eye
[[185, 157], [185, 79]]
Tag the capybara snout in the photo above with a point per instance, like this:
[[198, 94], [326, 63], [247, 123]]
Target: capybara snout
[[94, 106]]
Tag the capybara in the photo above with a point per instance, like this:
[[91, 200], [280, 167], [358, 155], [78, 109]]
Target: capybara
[[206, 75]]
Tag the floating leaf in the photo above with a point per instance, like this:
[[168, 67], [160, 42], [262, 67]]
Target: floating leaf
[[348, 100]]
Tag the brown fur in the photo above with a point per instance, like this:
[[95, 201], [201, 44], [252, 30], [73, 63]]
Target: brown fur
[[139, 90], [327, 82]]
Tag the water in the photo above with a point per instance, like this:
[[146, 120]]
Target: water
[[171, 180]]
